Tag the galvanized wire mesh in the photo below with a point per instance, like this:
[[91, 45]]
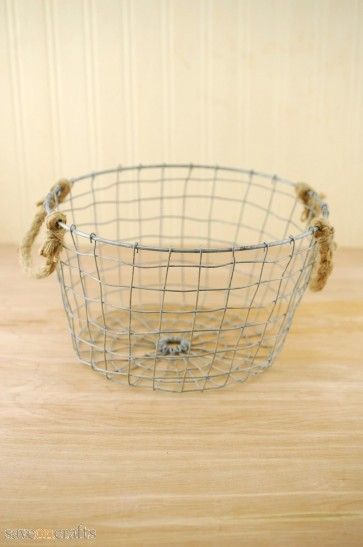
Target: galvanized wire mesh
[[182, 277]]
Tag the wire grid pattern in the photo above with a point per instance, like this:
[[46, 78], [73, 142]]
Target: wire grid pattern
[[165, 256]]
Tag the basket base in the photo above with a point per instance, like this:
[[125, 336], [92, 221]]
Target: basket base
[[215, 355]]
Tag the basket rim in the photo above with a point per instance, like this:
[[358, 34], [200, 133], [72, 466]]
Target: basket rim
[[138, 246]]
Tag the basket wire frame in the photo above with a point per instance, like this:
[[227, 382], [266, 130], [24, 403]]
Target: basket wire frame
[[158, 289]]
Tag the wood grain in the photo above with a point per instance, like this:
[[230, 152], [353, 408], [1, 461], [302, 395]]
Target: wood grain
[[276, 461]]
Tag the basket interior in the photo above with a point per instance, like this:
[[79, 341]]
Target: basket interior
[[185, 207]]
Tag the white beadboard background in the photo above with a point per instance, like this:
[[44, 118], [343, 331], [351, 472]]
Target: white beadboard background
[[274, 85]]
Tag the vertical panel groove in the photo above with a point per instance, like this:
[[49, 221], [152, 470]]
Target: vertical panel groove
[[131, 79], [171, 58], [126, 82], [241, 37], [202, 82], [17, 105], [206, 83], [211, 152], [246, 109], [90, 91], [53, 88], [168, 80], [165, 80]]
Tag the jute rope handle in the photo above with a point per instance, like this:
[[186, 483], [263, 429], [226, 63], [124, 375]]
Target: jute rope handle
[[53, 242], [324, 235]]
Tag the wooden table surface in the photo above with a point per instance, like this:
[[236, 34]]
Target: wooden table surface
[[275, 461]]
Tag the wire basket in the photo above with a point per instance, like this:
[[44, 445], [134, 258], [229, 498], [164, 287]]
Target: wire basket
[[182, 277]]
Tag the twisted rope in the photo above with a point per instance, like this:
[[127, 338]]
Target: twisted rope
[[324, 235], [53, 242]]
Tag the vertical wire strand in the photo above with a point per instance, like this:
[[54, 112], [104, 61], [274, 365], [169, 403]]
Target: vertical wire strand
[[261, 235], [292, 305], [243, 206], [69, 260], [161, 314], [210, 215], [241, 213], [292, 241], [161, 198], [139, 213], [211, 204], [118, 235], [241, 333], [280, 247], [66, 302], [182, 227], [139, 201], [195, 311], [131, 357], [85, 297], [185, 195], [228, 292], [102, 306]]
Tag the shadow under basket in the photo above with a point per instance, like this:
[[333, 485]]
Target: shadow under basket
[[182, 277]]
